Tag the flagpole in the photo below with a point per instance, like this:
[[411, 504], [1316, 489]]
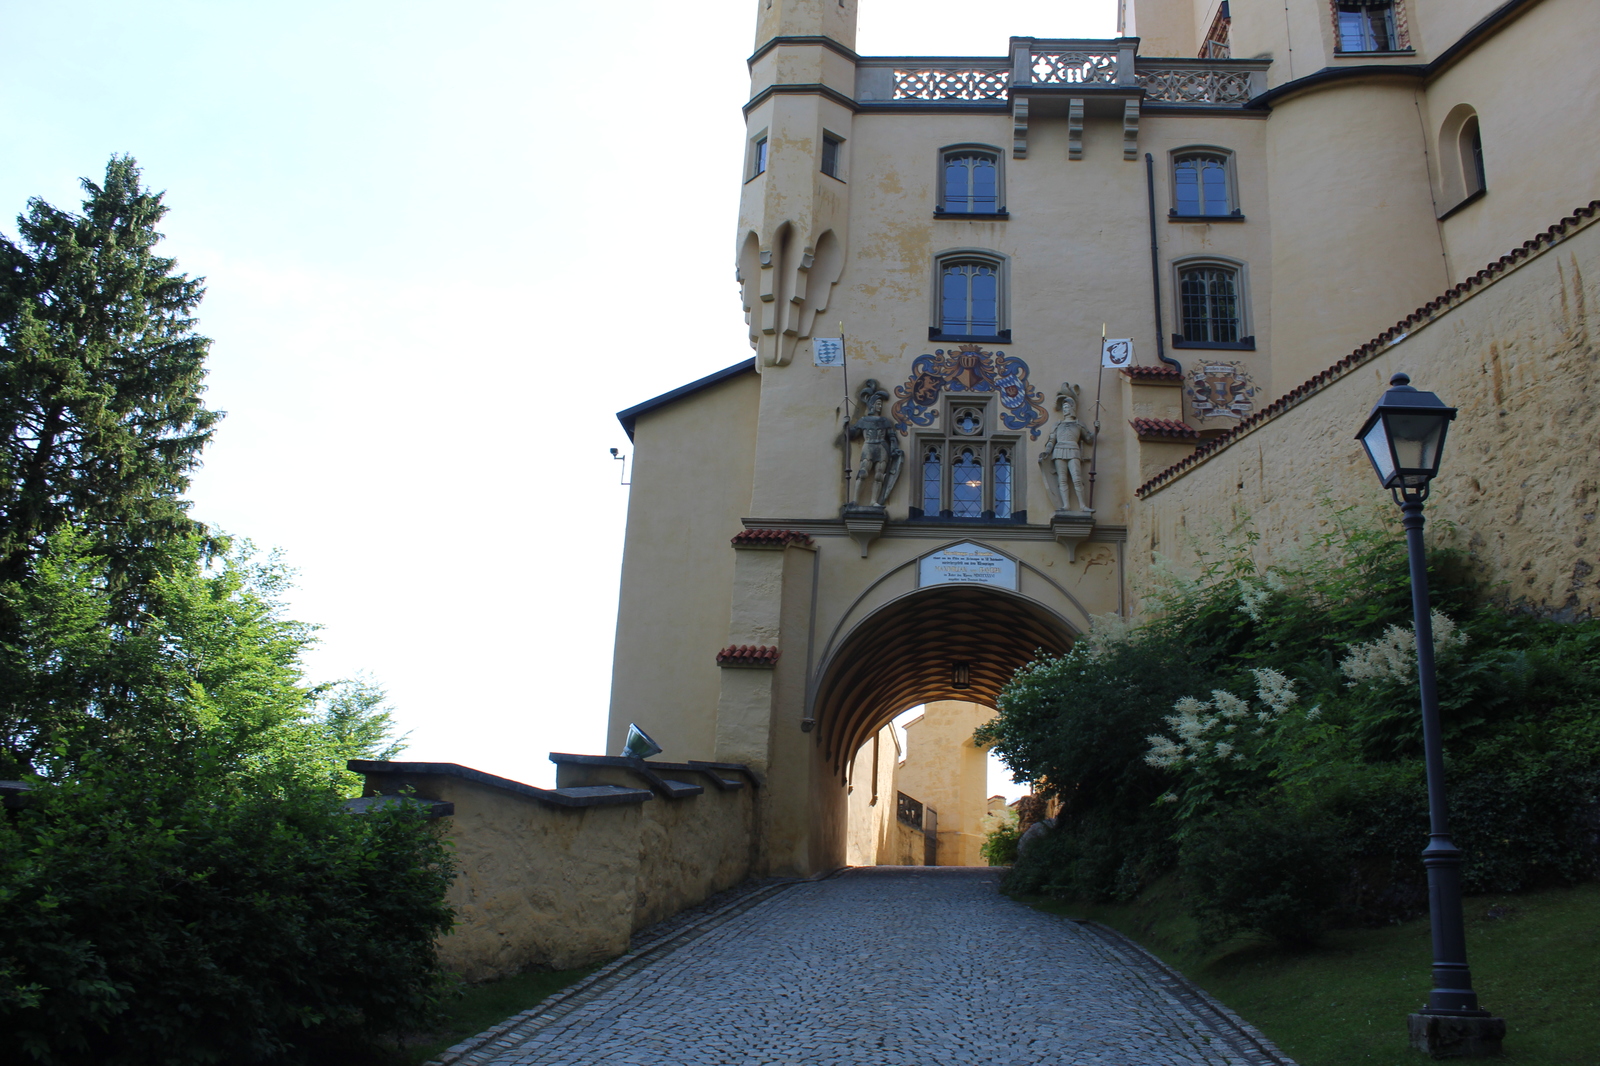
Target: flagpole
[[1100, 379], [844, 456]]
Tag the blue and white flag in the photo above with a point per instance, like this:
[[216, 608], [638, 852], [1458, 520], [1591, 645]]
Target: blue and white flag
[[827, 351]]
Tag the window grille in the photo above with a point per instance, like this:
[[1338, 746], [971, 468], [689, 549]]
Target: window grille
[[1209, 302], [1002, 483], [908, 810], [932, 480], [830, 156], [966, 486]]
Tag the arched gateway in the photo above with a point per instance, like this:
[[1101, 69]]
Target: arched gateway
[[924, 474]]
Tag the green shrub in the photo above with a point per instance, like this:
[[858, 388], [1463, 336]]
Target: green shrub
[[1260, 731], [146, 919], [1000, 846], [1265, 871]]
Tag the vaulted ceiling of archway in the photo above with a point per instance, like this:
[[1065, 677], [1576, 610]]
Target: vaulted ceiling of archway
[[903, 656]]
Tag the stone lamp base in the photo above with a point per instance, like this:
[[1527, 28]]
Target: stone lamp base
[[1457, 1036]]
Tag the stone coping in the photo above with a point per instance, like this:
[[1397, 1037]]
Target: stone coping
[[430, 808], [713, 770], [589, 796]]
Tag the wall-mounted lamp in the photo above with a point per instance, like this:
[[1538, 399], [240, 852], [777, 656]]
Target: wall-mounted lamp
[[622, 475], [960, 676]]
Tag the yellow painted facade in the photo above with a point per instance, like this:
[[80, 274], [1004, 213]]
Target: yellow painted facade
[[770, 617]]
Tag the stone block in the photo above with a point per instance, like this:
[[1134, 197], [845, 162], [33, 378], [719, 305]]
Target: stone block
[[1454, 1036]]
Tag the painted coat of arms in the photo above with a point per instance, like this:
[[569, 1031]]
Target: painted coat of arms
[[969, 369], [1221, 390]]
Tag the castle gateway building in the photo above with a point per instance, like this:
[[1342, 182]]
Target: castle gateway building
[[1020, 320]]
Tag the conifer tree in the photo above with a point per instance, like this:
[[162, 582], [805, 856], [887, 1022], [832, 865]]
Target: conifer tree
[[101, 375]]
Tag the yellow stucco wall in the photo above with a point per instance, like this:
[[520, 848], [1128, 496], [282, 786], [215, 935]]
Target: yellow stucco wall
[[543, 887], [692, 473], [1519, 483], [948, 772]]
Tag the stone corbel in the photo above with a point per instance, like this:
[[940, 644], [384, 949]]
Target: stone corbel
[[865, 525], [1130, 129], [1019, 128], [1072, 528], [1075, 128]]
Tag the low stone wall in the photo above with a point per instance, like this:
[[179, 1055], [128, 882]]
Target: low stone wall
[[559, 878], [1515, 350]]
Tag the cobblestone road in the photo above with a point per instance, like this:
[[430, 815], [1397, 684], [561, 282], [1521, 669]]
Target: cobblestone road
[[880, 966]]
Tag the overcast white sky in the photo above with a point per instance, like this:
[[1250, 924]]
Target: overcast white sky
[[445, 243]]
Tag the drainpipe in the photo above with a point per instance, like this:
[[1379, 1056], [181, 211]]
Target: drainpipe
[[1155, 263]]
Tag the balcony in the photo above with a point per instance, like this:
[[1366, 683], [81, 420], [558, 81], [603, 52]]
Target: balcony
[[1041, 69]]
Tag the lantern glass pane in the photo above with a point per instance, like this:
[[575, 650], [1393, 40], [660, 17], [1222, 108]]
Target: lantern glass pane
[[1377, 444], [1416, 440]]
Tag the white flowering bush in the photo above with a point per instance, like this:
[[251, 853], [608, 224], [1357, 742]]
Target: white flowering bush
[[1215, 731], [1393, 656]]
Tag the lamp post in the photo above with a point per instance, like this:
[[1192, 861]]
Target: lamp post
[[1404, 438]]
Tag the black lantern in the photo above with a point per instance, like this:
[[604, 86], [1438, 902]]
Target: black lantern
[[1404, 437], [961, 676]]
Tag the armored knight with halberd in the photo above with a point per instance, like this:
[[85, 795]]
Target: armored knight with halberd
[[881, 456], [1065, 445]]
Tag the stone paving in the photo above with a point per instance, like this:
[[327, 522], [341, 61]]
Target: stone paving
[[923, 966]]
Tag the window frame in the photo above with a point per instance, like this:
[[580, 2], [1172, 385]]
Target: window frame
[[836, 142], [988, 443], [760, 156], [1398, 28], [998, 157], [1230, 175], [1463, 178], [1241, 294], [1001, 265]]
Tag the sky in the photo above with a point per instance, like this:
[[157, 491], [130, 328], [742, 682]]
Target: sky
[[443, 244]]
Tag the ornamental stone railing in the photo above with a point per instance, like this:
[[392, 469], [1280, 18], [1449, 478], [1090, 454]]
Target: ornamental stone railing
[[1056, 65]]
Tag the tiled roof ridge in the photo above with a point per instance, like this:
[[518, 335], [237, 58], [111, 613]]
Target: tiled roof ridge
[[747, 655], [764, 537], [1377, 344], [1171, 372], [1163, 427]]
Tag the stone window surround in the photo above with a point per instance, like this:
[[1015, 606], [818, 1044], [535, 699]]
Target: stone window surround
[[1241, 272], [988, 440], [1002, 268], [1402, 31], [999, 155], [1231, 173], [755, 166]]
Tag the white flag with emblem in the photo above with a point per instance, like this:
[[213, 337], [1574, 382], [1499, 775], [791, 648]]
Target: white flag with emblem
[[1116, 353], [827, 351]]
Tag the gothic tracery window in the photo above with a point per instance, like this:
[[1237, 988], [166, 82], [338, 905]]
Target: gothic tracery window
[[970, 473]]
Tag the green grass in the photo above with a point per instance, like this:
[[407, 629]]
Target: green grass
[[478, 1007], [1535, 961]]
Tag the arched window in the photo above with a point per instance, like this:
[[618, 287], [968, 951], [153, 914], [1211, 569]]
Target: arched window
[[1471, 146], [970, 182], [1461, 173], [1212, 306], [971, 299], [1002, 483], [1202, 185], [932, 479], [966, 485]]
